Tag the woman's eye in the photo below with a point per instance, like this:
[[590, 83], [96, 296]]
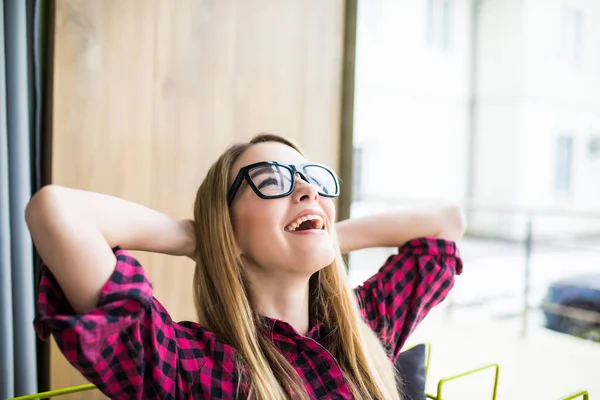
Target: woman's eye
[[268, 182]]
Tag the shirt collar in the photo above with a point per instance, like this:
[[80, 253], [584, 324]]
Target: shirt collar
[[275, 327]]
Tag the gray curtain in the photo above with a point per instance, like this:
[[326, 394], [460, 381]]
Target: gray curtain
[[19, 176]]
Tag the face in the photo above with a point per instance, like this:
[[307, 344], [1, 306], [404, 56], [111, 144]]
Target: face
[[264, 228]]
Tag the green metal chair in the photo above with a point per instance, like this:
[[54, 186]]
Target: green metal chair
[[583, 393], [441, 382], [496, 367]]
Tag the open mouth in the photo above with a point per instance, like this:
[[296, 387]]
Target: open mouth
[[306, 223]]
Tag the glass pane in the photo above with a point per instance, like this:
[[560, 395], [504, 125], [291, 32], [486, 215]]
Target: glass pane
[[271, 180], [321, 178]]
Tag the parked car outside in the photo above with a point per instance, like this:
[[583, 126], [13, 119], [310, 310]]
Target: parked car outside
[[579, 292]]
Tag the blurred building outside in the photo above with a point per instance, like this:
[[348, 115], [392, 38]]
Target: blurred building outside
[[494, 101], [493, 104]]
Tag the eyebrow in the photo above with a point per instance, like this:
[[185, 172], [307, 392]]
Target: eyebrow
[[262, 170]]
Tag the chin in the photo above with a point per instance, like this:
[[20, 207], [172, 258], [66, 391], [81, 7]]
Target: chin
[[310, 254], [316, 261]]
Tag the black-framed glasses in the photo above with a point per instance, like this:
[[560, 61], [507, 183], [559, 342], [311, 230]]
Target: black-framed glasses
[[272, 180]]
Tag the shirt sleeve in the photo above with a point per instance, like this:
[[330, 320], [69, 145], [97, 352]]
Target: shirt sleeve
[[126, 346], [409, 284]]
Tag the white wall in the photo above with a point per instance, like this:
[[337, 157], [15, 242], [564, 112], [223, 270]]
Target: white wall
[[411, 99], [528, 95], [560, 98]]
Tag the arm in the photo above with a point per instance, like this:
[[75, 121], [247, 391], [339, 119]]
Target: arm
[[96, 299], [74, 232], [409, 284], [397, 298], [394, 229]]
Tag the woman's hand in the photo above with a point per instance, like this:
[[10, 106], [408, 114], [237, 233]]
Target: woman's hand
[[188, 239], [393, 229]]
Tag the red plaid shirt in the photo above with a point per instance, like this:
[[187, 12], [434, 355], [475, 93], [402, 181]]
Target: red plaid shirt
[[131, 349]]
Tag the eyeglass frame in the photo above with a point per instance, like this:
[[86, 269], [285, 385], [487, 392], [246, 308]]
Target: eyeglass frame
[[244, 175]]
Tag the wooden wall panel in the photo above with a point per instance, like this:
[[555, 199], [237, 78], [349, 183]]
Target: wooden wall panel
[[147, 93]]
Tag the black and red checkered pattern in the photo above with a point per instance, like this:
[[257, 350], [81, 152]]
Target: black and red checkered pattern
[[130, 348]]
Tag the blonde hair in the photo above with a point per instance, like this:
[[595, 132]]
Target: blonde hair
[[220, 289]]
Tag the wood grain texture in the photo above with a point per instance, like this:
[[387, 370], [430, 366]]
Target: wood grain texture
[[147, 93]]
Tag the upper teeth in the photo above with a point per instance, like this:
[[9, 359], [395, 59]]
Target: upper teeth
[[295, 224]]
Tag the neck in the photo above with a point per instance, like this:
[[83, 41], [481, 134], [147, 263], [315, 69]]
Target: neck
[[282, 296]]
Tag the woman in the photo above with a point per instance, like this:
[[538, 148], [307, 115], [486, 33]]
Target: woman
[[276, 316]]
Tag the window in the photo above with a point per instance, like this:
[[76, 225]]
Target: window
[[437, 23], [570, 41], [564, 165]]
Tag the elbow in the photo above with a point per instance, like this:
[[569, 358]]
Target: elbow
[[41, 205], [454, 223]]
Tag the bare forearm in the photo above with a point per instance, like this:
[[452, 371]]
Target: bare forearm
[[133, 226], [120, 222], [74, 231], [393, 229]]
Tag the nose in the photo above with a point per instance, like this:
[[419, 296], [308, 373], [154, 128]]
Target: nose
[[304, 191]]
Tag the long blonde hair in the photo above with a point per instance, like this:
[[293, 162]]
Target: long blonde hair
[[220, 289]]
